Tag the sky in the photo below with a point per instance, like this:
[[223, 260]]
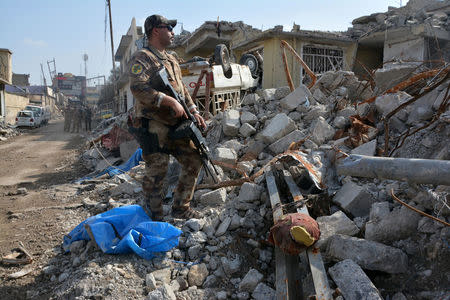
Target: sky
[[38, 31]]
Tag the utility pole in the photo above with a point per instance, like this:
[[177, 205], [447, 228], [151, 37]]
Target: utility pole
[[112, 52]]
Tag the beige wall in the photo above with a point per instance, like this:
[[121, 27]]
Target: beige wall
[[14, 103], [274, 74]]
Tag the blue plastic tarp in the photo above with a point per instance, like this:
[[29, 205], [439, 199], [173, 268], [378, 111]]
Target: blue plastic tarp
[[126, 229]]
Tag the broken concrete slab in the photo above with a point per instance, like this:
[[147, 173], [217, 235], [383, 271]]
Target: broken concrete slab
[[231, 123], [278, 127], [282, 92], [353, 282], [248, 117], [283, 144], [399, 224], [247, 130], [388, 102], [318, 110], [215, 197], [321, 131], [299, 96], [354, 199], [250, 99], [223, 227], [225, 155], [263, 291], [368, 148], [369, 255], [250, 192], [392, 74], [379, 210], [269, 94], [337, 223], [250, 281]]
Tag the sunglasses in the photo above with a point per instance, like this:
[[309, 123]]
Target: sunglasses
[[170, 28]]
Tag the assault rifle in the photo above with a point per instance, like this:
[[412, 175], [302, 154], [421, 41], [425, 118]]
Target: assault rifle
[[188, 128]]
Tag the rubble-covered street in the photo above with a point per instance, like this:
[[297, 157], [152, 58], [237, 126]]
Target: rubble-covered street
[[337, 187]]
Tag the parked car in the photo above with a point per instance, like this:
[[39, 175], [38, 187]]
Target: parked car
[[27, 118], [38, 113]]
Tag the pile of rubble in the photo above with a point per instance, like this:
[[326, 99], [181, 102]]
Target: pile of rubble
[[431, 12], [7, 131], [370, 243]]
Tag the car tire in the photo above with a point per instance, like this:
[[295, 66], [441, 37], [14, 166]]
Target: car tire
[[252, 63], [222, 57]]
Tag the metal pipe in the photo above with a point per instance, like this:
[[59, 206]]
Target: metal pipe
[[427, 171]]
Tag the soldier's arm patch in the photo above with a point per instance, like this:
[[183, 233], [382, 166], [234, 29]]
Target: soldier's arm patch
[[136, 69]]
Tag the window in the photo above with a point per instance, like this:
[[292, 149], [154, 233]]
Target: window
[[322, 59]]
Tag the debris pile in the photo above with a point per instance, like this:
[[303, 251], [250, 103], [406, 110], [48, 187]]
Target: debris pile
[[7, 131]]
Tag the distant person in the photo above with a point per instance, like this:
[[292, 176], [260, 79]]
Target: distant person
[[77, 115], [67, 118], [87, 118]]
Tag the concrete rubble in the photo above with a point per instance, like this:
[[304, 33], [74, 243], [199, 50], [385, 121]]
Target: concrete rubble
[[371, 244]]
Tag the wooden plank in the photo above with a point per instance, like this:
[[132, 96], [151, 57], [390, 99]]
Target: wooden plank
[[287, 283], [318, 272]]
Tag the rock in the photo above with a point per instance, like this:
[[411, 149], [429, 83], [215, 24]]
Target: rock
[[195, 224], [230, 266], [278, 127], [379, 210], [321, 131], [337, 223], [162, 275], [299, 96], [388, 102], [253, 149], [392, 74], [250, 99], [319, 96], [63, 277], [354, 199], [128, 148], [233, 144], [210, 281], [295, 115], [248, 117], [235, 222], [249, 192], [247, 130], [282, 92], [195, 238], [128, 187], [223, 227], [400, 224], [353, 282], [150, 281], [222, 295], [225, 155], [231, 123], [164, 292], [340, 122], [269, 94], [368, 254], [250, 281], [399, 296], [194, 251], [22, 191], [245, 166], [214, 197], [368, 148], [282, 144], [197, 274], [263, 291], [316, 111]]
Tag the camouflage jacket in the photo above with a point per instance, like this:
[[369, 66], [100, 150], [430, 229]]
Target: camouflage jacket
[[143, 65]]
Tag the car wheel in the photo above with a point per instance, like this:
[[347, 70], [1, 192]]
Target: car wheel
[[222, 57], [252, 63]]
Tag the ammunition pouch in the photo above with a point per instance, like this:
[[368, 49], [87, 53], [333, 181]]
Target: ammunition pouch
[[147, 140], [182, 130]]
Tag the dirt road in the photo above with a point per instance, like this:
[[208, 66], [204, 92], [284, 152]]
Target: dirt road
[[36, 160]]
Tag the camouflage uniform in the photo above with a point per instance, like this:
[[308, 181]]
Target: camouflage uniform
[[143, 67], [76, 118], [67, 118]]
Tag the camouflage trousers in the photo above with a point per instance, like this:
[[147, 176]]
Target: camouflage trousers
[[156, 166]]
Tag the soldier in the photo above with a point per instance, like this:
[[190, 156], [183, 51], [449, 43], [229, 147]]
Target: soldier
[[67, 118], [76, 118], [87, 118], [157, 113]]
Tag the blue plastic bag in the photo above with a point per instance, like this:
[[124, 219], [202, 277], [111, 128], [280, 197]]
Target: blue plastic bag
[[126, 229]]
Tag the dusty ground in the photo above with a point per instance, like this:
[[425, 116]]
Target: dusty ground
[[36, 160]]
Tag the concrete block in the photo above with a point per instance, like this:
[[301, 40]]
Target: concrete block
[[299, 96], [225, 155], [127, 149], [248, 117], [163, 292], [319, 96], [282, 144], [321, 131], [233, 144], [353, 282], [249, 192], [223, 227], [269, 94], [278, 127], [250, 99], [354, 199], [400, 224], [337, 223], [318, 110], [215, 197], [346, 112], [340, 122], [263, 291], [387, 103], [282, 92], [250, 281], [247, 130], [231, 123], [368, 148], [391, 75], [369, 255], [379, 210]]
